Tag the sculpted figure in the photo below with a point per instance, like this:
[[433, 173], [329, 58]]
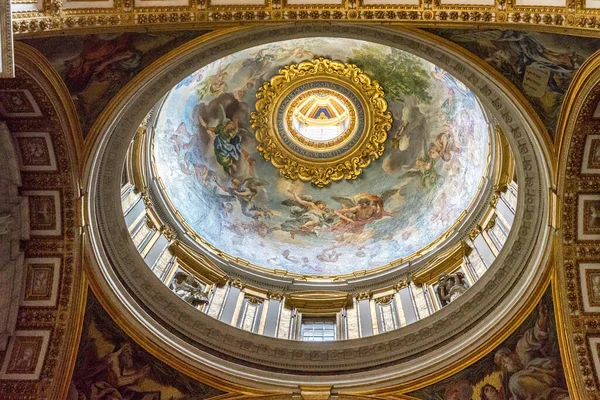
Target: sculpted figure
[[451, 286], [186, 287]]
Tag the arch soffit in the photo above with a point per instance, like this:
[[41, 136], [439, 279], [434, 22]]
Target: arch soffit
[[67, 319], [567, 289]]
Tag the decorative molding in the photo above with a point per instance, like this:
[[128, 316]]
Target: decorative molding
[[200, 265], [317, 302], [7, 57], [25, 355], [576, 251], [84, 16], [447, 262], [362, 143]]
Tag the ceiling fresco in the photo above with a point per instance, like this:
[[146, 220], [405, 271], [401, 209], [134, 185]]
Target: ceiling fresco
[[205, 156]]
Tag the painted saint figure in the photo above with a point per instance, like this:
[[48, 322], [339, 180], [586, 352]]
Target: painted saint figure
[[530, 373], [227, 143]]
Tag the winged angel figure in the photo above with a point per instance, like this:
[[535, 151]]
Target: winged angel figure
[[245, 192], [360, 210], [308, 215]]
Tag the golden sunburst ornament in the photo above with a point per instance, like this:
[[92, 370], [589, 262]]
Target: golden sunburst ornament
[[321, 121]]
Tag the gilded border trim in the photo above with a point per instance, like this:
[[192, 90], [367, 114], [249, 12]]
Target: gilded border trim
[[585, 79]]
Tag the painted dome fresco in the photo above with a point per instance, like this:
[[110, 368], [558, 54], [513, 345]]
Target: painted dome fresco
[[423, 183]]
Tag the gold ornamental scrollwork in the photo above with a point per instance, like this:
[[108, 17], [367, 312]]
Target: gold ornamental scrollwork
[[346, 163]]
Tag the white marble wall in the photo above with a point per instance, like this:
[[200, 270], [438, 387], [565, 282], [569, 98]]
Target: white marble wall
[[14, 227]]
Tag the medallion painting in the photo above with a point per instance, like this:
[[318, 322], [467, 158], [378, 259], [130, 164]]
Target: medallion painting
[[96, 67], [542, 65], [110, 365], [206, 158], [527, 365]]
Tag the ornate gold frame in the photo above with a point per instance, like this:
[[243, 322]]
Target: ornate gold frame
[[349, 165]]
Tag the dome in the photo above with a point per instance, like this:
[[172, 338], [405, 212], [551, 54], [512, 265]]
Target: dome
[[208, 198], [221, 185]]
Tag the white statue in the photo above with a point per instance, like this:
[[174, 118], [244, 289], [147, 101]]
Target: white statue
[[451, 286], [190, 290]]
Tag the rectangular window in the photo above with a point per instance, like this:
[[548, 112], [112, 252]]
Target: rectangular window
[[318, 329]]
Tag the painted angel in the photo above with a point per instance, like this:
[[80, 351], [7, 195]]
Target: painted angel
[[360, 210], [424, 170], [308, 215], [215, 84], [245, 192], [443, 147]]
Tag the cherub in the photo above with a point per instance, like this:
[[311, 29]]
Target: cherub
[[443, 147], [214, 84], [328, 256]]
